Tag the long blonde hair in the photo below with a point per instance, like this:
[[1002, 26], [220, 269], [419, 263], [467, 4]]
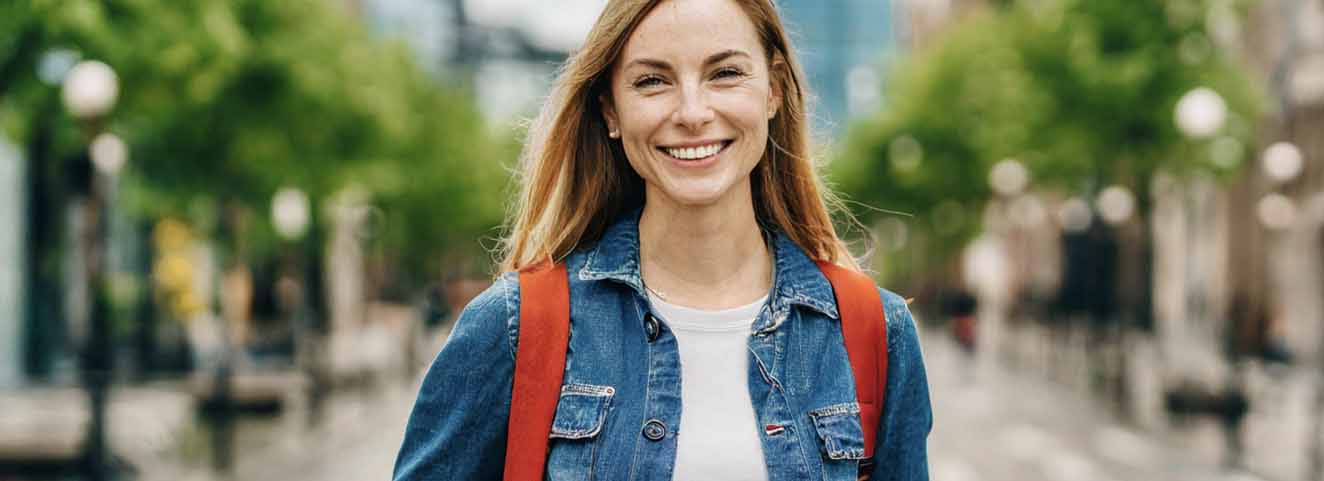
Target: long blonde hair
[[575, 181]]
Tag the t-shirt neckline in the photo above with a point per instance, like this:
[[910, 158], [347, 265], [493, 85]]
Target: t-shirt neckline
[[689, 318]]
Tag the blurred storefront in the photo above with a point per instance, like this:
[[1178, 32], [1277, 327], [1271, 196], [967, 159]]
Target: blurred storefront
[[11, 272]]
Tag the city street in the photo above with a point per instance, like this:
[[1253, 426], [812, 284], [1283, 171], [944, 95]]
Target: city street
[[235, 233], [990, 425], [998, 425]]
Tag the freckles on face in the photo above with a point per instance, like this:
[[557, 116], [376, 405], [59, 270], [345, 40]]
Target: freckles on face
[[691, 99]]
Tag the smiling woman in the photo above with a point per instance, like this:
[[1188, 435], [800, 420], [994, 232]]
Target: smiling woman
[[669, 181]]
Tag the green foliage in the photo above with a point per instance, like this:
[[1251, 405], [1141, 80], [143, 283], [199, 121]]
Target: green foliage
[[1080, 91], [225, 101]]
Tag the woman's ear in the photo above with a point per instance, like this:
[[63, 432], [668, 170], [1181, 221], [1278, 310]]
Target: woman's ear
[[609, 116]]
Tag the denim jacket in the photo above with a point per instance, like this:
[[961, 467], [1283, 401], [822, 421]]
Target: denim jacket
[[618, 416]]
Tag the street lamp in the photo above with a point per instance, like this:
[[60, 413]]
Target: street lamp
[[1075, 215], [109, 154], [90, 90], [1116, 204], [289, 213], [1282, 162], [1276, 211], [89, 93], [291, 216], [1201, 113], [1008, 177]]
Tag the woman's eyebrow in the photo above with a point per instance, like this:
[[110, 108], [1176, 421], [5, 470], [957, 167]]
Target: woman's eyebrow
[[663, 65], [648, 62], [723, 55]]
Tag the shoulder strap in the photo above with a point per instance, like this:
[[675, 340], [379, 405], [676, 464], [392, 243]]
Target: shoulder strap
[[864, 328], [544, 333]]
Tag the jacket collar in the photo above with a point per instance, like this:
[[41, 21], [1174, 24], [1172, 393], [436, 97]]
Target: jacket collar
[[797, 280]]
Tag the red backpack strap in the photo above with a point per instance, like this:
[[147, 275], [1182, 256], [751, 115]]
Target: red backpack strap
[[864, 328], [544, 333]]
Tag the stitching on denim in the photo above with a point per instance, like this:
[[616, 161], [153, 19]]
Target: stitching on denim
[[601, 405], [512, 311], [587, 273], [836, 409], [588, 390], [832, 440], [648, 386]]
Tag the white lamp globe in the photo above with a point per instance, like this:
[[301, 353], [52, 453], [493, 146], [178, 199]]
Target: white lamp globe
[[109, 153], [1282, 162], [90, 89], [1008, 177], [1116, 204], [1201, 113], [289, 213]]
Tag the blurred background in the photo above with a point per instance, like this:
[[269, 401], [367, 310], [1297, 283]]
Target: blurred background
[[234, 232]]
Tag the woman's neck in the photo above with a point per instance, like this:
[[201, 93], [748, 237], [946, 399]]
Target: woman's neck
[[708, 257]]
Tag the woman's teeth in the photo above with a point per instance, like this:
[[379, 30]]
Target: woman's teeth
[[693, 153]]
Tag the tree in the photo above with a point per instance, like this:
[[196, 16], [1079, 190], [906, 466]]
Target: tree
[[1081, 92], [223, 102]]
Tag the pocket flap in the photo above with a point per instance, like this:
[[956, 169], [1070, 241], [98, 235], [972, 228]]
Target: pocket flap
[[839, 430], [581, 411]]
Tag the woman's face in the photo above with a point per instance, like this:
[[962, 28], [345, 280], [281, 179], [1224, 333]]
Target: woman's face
[[691, 100]]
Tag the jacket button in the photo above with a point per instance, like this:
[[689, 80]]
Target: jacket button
[[654, 430], [651, 327]]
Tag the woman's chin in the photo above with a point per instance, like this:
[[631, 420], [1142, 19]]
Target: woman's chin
[[696, 196]]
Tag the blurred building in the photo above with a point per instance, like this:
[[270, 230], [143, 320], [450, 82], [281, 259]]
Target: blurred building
[[1283, 43], [843, 47], [11, 271], [509, 50]]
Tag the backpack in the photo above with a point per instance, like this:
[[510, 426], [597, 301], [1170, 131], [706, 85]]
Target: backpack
[[544, 334]]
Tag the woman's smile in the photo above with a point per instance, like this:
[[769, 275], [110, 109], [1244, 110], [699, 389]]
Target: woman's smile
[[695, 154]]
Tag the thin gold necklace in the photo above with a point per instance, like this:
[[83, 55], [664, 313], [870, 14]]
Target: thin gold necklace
[[663, 296], [657, 293]]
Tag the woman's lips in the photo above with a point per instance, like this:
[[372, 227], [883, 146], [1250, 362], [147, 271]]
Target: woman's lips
[[695, 156]]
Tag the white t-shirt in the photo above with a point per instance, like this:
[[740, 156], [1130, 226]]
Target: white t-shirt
[[719, 435]]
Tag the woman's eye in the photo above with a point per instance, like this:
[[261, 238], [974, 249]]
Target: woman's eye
[[728, 73], [647, 82]]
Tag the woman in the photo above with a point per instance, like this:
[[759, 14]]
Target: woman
[[670, 172]]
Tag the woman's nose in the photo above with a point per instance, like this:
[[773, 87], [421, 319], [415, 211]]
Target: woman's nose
[[693, 112]]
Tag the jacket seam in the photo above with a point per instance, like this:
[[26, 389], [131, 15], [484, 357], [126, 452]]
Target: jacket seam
[[512, 315]]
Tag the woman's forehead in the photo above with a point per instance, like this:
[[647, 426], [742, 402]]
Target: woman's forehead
[[684, 30]]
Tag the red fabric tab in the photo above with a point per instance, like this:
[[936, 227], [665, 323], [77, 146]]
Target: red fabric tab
[[544, 333]]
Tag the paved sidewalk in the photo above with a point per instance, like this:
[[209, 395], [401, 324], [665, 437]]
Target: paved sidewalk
[[1000, 425], [993, 425]]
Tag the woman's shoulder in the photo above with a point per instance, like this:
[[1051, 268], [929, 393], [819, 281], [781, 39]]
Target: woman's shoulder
[[493, 312], [901, 326]]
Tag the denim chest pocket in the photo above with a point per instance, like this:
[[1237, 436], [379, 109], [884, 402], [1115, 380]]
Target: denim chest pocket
[[839, 432], [581, 413]]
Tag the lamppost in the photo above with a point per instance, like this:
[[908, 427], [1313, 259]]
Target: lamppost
[[89, 93], [291, 217], [1008, 178], [1200, 115]]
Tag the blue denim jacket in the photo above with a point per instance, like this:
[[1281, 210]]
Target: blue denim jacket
[[619, 412]]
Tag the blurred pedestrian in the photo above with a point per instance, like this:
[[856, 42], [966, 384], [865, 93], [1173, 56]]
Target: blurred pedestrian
[[670, 175], [962, 307]]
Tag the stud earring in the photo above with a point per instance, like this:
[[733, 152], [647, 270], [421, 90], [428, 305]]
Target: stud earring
[[615, 134]]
